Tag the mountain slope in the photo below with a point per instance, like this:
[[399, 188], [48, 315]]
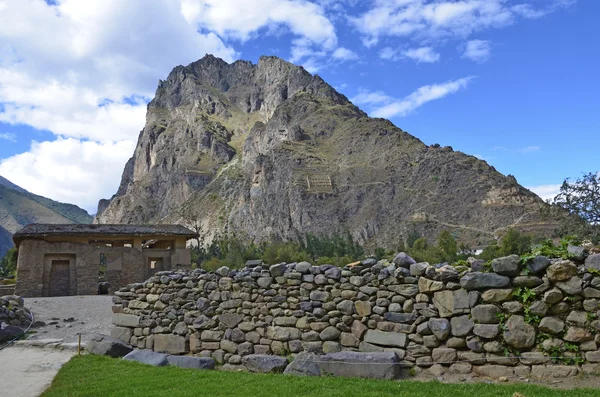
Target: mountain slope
[[270, 151], [19, 208]]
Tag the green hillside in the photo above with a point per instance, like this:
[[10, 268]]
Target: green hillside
[[19, 208]]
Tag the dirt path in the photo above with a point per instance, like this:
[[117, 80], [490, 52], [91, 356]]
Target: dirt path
[[29, 371], [66, 316]]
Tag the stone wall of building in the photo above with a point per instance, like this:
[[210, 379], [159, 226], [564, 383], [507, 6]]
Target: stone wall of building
[[35, 262], [539, 318]]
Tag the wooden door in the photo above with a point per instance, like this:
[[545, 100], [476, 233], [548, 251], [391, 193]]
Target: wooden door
[[60, 278]]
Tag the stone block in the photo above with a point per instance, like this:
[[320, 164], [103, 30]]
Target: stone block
[[125, 320], [395, 339], [121, 333], [553, 371], [172, 344]]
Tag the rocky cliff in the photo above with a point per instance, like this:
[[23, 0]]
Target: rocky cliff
[[270, 151]]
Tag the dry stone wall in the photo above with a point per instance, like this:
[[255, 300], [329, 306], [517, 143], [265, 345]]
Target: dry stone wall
[[539, 318]]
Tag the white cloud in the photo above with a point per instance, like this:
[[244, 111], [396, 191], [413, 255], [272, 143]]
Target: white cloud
[[422, 54], [344, 54], [69, 170], [426, 20], [477, 50], [240, 19], [7, 136], [546, 192], [85, 70], [530, 149], [382, 105]]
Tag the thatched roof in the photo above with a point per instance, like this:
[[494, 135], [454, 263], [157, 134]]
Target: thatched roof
[[39, 230]]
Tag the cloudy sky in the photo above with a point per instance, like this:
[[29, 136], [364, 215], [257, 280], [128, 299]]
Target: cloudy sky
[[513, 82]]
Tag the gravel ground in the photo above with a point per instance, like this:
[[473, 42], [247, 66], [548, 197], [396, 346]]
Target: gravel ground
[[66, 316], [27, 372]]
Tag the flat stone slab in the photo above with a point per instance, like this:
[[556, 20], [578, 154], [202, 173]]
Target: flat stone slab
[[191, 362], [147, 357], [377, 365]]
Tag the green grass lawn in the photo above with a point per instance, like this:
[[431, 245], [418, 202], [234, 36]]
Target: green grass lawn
[[102, 376]]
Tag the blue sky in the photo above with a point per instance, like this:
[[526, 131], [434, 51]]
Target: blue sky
[[513, 82]]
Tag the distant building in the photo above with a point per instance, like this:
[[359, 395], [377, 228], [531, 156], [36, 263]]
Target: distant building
[[60, 260]]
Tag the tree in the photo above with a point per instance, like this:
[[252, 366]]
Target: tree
[[8, 264], [515, 242], [582, 200], [447, 244]]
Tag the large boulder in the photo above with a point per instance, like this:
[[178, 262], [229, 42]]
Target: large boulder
[[170, 343], [147, 357], [107, 346], [264, 363]]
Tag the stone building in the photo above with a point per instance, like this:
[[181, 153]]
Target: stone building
[[60, 260]]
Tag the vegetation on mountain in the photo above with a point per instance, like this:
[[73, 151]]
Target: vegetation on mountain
[[19, 208]]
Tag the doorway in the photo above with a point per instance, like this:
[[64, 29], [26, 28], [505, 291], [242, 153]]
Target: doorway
[[60, 278]]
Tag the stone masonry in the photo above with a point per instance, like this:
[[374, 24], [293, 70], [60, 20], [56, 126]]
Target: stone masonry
[[538, 318]]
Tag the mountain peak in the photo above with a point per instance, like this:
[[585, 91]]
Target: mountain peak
[[271, 151]]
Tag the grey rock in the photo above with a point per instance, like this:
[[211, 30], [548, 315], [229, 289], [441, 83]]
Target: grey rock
[[403, 260], [538, 264], [191, 362], [449, 303], [593, 262], [527, 281], [573, 286], [552, 296], [330, 334], [125, 320], [418, 269], [231, 320], [107, 346], [485, 314], [576, 253], [263, 363], [440, 327], [561, 271], [392, 339], [172, 344], [507, 266], [305, 364], [147, 357], [518, 333], [538, 308], [400, 317], [486, 331], [477, 280], [497, 295], [277, 270], [461, 325], [377, 365]]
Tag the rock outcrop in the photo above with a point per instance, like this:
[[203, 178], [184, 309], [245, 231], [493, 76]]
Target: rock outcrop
[[270, 151]]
